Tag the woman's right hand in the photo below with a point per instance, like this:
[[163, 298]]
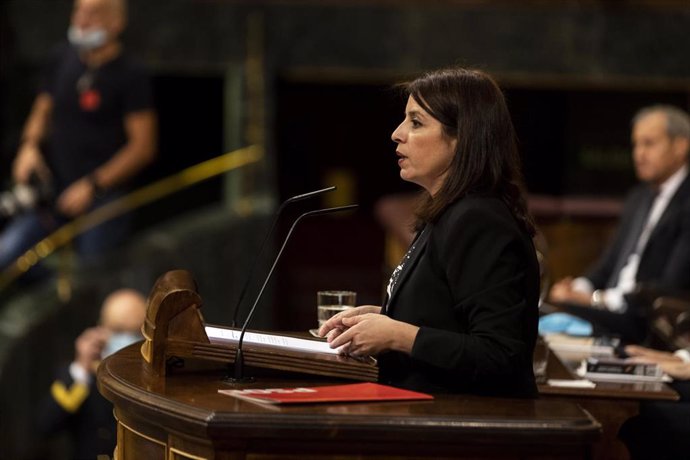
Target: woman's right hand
[[335, 323]]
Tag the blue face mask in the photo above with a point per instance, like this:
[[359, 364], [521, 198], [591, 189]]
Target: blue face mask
[[87, 40], [118, 341]]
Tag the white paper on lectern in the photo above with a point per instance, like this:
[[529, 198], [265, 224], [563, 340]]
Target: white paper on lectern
[[280, 341]]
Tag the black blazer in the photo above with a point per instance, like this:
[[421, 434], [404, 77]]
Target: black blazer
[[91, 426], [472, 286], [665, 260]]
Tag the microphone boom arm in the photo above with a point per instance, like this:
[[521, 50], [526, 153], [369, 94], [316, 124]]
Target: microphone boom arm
[[239, 358], [252, 271]]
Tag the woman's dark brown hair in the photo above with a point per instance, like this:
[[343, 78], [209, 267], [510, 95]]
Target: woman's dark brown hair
[[471, 107]]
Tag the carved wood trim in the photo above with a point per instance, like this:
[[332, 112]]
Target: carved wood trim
[[173, 313]]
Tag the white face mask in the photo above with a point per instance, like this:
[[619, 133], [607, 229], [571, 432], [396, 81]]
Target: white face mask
[[118, 341], [87, 40]]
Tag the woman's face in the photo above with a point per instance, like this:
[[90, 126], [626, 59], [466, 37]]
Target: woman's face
[[424, 150]]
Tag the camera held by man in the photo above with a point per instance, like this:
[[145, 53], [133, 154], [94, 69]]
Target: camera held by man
[[22, 197]]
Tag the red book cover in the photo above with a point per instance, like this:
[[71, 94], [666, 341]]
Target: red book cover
[[333, 393]]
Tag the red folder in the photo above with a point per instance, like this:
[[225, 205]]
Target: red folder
[[333, 393]]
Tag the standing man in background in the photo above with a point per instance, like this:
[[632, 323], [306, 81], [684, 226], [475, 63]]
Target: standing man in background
[[652, 244], [92, 127]]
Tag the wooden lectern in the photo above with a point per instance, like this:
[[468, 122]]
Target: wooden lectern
[[174, 327], [176, 414]]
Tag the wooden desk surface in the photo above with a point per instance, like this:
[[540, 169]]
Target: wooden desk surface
[[188, 402]]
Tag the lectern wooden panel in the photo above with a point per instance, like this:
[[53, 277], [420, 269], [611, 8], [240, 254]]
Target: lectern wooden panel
[[184, 417], [174, 327], [177, 413]]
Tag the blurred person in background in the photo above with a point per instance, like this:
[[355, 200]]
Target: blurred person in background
[[74, 404], [652, 244], [661, 430], [92, 127]]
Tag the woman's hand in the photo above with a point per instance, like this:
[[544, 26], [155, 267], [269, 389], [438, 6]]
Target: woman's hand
[[669, 363], [335, 322], [646, 355], [373, 333]]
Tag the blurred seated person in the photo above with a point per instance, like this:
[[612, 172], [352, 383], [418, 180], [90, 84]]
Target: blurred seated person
[[74, 404], [460, 311], [662, 429], [652, 243], [91, 128]]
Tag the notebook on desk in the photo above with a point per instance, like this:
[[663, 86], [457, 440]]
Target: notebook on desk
[[620, 370]]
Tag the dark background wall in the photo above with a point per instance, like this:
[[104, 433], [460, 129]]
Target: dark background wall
[[574, 73]]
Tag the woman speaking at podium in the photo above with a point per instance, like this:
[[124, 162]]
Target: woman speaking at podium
[[460, 315]]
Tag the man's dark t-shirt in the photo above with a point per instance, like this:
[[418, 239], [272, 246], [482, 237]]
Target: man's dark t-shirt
[[89, 107]]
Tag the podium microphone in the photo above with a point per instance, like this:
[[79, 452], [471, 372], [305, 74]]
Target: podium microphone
[[239, 357], [252, 272]]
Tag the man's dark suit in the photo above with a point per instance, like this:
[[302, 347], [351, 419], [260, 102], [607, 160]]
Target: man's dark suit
[[665, 260], [664, 263], [662, 429], [472, 285]]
